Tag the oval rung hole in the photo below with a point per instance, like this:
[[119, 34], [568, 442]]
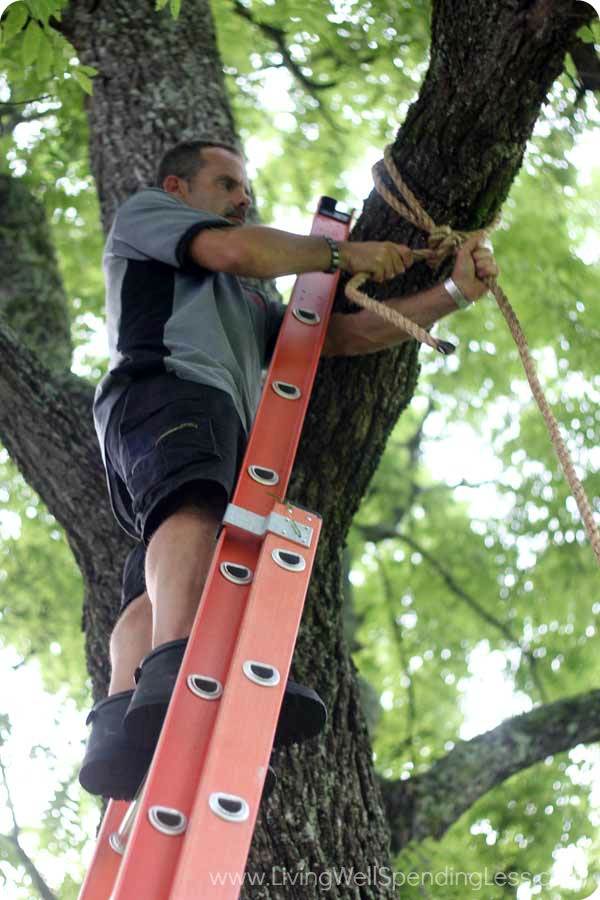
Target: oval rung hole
[[288, 391], [230, 807], [236, 573], [168, 821], [293, 562], [261, 673], [292, 559], [306, 316], [204, 686], [263, 475], [264, 672]]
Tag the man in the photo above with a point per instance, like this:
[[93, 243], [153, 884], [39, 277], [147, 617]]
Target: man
[[188, 343]]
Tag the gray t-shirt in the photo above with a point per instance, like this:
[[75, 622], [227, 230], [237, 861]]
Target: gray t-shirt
[[167, 314]]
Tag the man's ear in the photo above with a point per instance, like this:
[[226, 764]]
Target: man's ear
[[172, 184]]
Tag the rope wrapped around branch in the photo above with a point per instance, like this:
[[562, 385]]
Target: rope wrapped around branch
[[442, 242]]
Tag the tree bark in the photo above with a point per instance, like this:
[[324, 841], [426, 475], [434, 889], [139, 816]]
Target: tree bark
[[32, 298], [459, 149], [174, 89], [428, 804], [53, 442]]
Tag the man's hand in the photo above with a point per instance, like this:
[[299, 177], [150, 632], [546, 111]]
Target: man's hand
[[381, 260], [474, 262]]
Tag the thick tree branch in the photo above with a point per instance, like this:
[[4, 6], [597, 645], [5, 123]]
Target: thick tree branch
[[32, 295], [51, 438], [427, 805]]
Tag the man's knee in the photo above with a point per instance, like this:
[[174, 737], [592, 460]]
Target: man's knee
[[136, 616], [198, 502]]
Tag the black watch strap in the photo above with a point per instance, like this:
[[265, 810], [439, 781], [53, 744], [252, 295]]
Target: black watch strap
[[335, 256]]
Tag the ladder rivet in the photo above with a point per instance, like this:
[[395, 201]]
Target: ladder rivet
[[263, 475], [293, 562], [306, 316], [204, 686], [236, 573], [229, 807], [287, 391], [261, 673], [166, 820]]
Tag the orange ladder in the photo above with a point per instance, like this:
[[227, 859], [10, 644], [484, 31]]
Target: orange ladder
[[187, 835]]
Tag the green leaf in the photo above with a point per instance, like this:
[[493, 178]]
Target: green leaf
[[83, 80], [69, 50], [570, 67], [16, 18], [175, 7], [89, 70], [160, 4], [31, 42], [589, 33], [40, 9], [45, 57], [586, 36]]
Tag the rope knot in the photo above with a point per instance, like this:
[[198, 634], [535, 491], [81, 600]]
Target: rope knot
[[442, 242]]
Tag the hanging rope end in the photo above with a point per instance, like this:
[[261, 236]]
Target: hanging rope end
[[445, 347]]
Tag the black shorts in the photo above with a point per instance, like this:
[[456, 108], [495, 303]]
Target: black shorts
[[134, 580], [170, 441]]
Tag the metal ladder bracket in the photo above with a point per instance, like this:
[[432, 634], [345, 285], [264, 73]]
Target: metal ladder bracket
[[274, 523]]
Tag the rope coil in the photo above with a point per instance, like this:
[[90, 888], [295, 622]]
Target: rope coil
[[443, 241]]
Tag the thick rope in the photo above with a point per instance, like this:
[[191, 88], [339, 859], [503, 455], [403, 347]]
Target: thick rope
[[443, 242]]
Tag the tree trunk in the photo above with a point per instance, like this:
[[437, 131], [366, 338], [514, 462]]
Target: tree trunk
[[159, 82], [459, 149], [32, 299]]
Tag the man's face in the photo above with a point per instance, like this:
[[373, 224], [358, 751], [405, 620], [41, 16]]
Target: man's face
[[220, 186]]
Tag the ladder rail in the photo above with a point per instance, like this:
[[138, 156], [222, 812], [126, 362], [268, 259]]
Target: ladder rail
[[246, 722]]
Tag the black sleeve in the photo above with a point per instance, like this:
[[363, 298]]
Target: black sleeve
[[274, 313]]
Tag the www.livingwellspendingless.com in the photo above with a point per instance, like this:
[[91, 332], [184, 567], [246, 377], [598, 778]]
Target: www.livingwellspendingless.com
[[382, 876]]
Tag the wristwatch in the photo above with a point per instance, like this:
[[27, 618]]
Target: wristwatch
[[457, 295], [335, 256]]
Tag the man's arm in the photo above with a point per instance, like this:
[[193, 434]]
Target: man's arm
[[256, 251], [366, 332]]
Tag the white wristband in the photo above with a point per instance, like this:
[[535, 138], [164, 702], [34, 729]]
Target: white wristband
[[457, 295]]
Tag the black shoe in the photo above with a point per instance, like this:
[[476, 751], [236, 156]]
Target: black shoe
[[155, 680], [303, 713], [112, 765]]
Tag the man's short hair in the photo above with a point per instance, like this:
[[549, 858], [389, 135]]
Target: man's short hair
[[185, 159]]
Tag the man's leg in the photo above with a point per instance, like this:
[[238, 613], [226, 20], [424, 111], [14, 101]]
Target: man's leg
[[130, 641], [112, 766], [178, 558]]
